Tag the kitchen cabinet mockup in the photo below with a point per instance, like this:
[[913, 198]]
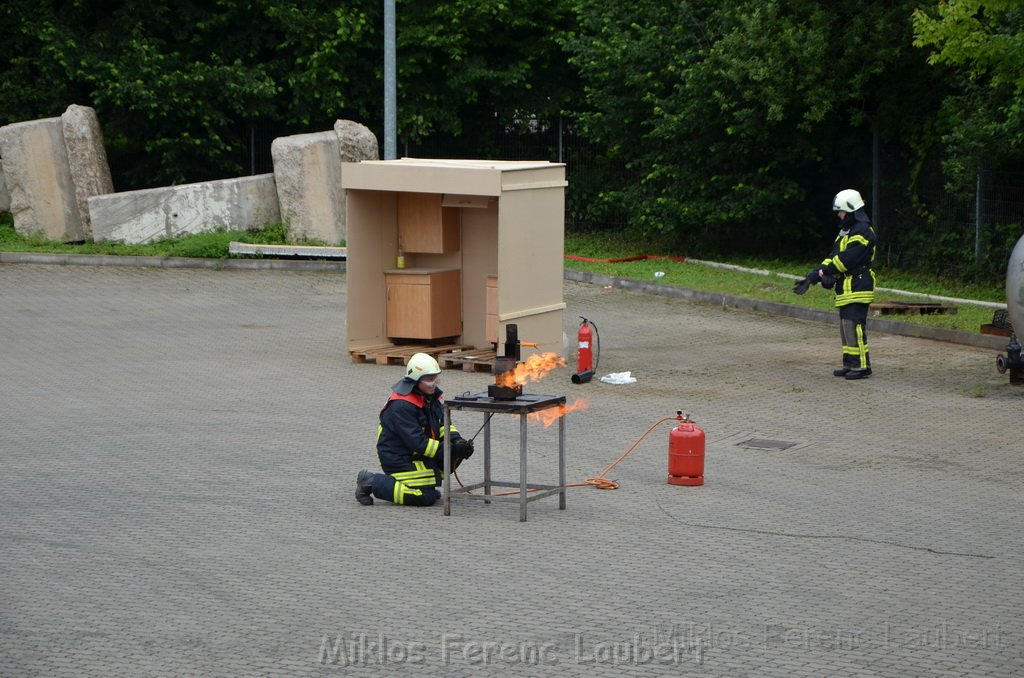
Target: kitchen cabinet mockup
[[458, 227], [423, 303]]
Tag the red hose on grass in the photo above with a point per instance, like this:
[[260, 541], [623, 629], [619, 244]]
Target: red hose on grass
[[639, 257]]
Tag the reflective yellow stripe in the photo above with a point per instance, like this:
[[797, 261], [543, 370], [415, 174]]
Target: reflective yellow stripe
[[857, 239], [862, 348], [422, 482], [855, 298], [401, 491], [432, 448], [412, 475]]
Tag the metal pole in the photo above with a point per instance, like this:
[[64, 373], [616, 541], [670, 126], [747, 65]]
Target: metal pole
[[560, 138], [390, 87], [876, 180], [446, 482]]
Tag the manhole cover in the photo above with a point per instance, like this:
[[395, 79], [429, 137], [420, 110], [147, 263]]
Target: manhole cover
[[762, 444]]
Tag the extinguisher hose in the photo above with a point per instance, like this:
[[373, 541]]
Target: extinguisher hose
[[599, 481], [597, 346]]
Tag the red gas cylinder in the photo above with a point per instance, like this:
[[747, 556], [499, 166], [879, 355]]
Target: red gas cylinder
[[686, 454]]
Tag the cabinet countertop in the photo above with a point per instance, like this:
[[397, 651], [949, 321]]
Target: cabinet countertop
[[417, 271]]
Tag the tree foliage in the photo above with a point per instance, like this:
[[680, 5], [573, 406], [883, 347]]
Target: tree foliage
[[736, 117], [981, 42], [177, 84], [727, 125]]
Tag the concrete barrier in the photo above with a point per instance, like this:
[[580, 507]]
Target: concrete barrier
[[38, 178], [307, 168], [87, 159], [5, 197], [245, 203]]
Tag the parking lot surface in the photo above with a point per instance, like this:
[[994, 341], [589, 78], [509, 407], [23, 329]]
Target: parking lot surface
[[178, 451]]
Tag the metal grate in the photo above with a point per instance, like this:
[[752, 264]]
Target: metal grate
[[762, 444], [1001, 320]]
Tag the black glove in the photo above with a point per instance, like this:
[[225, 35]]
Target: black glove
[[828, 282], [802, 285], [462, 448]]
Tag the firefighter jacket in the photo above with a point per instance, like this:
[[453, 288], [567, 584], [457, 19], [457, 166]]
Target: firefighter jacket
[[411, 432], [849, 262]]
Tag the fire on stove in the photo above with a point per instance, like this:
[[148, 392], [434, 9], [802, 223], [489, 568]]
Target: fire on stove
[[510, 373]]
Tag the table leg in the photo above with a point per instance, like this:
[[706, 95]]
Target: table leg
[[561, 462], [446, 483], [522, 468], [487, 456]]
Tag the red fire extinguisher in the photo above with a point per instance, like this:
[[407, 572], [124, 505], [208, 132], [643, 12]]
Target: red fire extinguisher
[[685, 453], [585, 365]]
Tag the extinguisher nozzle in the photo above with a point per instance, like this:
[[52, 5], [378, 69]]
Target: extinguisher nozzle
[[582, 377]]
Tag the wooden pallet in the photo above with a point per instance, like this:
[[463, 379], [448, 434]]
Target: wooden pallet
[[910, 308], [399, 354], [470, 360]]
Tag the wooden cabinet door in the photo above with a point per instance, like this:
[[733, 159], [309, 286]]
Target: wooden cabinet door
[[491, 319], [424, 225], [424, 306], [409, 311]]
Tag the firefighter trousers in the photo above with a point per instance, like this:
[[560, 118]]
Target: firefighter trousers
[[852, 332], [415, 486]]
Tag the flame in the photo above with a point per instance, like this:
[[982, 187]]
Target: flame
[[536, 367], [550, 416]]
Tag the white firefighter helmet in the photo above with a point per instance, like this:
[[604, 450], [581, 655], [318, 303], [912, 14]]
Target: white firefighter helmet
[[421, 365], [847, 200]]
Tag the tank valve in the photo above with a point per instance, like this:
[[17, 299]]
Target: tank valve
[[1012, 362]]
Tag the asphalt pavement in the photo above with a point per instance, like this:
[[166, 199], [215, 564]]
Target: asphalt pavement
[[178, 451]]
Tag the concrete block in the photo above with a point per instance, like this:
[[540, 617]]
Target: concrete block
[[87, 159], [5, 197], [356, 142], [38, 179], [244, 203], [307, 169]]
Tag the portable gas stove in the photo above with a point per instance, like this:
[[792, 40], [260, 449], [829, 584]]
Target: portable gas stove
[[505, 396]]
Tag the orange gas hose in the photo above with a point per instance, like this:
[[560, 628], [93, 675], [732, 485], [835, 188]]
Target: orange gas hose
[[599, 481]]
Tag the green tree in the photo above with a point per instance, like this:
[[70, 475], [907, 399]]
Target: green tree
[[177, 84], [982, 43], [738, 119], [473, 67]]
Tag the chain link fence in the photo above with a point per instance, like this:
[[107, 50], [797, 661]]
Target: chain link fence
[[942, 229]]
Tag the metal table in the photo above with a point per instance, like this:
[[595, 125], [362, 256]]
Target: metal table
[[522, 405]]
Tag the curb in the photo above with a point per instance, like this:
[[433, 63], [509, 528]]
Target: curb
[[169, 262], [713, 298], [777, 308]]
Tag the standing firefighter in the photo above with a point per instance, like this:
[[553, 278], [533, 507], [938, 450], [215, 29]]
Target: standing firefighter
[[410, 440], [848, 269]]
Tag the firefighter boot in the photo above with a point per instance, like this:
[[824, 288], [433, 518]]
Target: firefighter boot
[[857, 372], [364, 488], [842, 371]]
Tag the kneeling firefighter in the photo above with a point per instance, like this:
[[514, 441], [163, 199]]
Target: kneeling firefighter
[[410, 440]]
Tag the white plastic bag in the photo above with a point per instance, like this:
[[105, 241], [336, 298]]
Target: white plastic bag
[[619, 378]]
